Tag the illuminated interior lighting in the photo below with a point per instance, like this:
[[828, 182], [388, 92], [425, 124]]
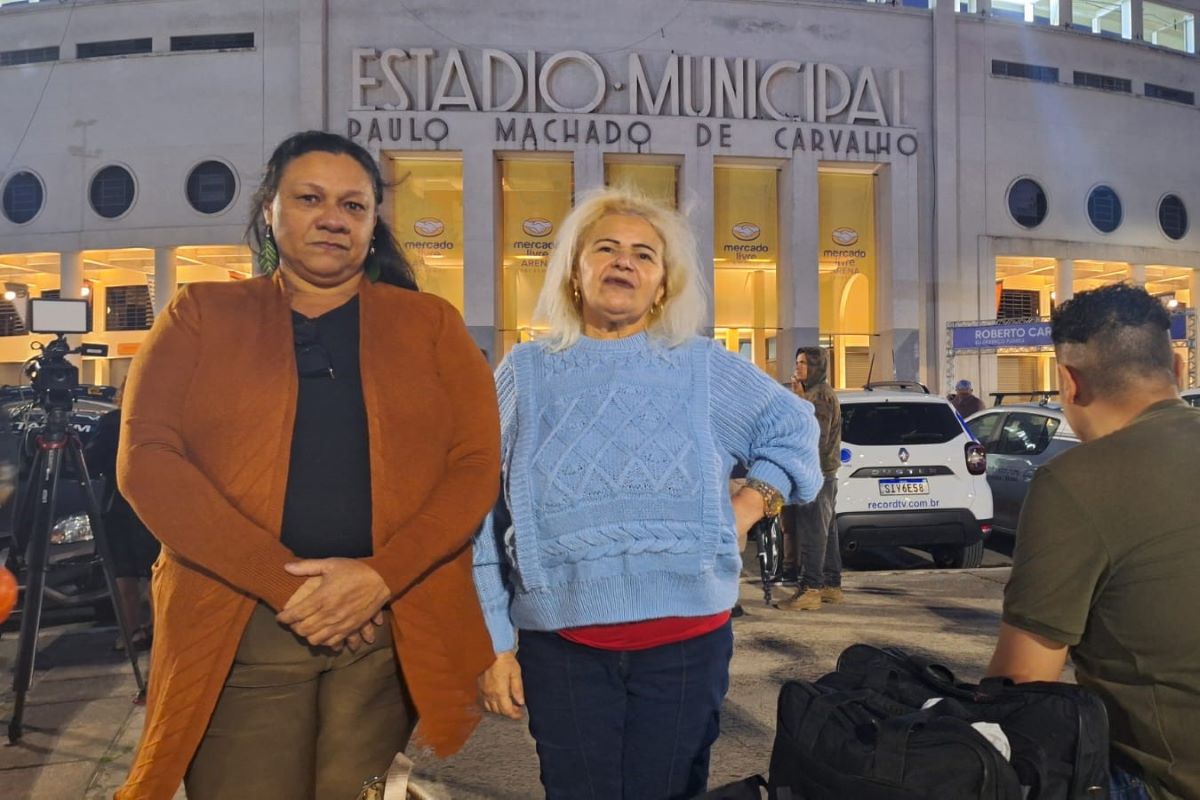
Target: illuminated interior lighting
[[85, 291], [10, 295]]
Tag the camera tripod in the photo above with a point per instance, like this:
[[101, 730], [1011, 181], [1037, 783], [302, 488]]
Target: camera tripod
[[36, 515]]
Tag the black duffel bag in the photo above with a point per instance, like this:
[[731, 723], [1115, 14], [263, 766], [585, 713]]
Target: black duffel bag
[[1058, 732], [862, 745]]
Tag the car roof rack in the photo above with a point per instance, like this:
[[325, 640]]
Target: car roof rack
[[899, 386], [1042, 397]]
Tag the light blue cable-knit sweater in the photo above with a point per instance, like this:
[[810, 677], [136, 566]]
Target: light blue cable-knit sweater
[[616, 458]]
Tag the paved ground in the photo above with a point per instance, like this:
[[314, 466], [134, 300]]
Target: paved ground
[[82, 727]]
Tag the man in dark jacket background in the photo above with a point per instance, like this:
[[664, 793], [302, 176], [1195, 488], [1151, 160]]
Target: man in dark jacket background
[[812, 527]]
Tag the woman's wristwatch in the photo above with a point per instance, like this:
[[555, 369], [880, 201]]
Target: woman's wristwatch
[[772, 499]]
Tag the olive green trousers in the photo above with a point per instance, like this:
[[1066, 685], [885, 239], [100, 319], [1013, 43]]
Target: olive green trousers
[[296, 722]]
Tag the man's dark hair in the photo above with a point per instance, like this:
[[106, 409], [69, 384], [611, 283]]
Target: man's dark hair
[[1115, 337], [387, 261]]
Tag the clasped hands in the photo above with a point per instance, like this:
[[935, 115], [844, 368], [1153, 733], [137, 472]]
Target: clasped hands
[[340, 604]]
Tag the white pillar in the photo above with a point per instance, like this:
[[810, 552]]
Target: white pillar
[[1064, 280], [696, 201], [1137, 274], [481, 264], [589, 171], [70, 274], [799, 277], [164, 277], [1131, 19]]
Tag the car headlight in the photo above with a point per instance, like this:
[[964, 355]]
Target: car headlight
[[71, 529]]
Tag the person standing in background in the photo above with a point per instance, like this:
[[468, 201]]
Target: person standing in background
[[812, 528], [134, 548], [964, 400]]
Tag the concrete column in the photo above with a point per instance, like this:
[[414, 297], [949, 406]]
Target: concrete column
[[1137, 274], [312, 68], [799, 278], [589, 171], [948, 277], [1064, 280], [481, 266], [165, 277], [1131, 19], [99, 300], [1192, 374], [696, 202], [70, 274], [897, 295], [1062, 12]]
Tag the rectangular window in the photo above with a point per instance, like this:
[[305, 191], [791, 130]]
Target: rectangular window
[[1108, 83], [427, 206], [1109, 19], [746, 258], [659, 182], [34, 55], [119, 47], [537, 195], [10, 320], [846, 265], [128, 308], [213, 41], [1019, 304], [1032, 72], [1167, 93], [1037, 12], [1173, 28]]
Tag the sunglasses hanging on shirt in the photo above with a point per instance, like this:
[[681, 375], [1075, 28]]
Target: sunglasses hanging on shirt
[[312, 359]]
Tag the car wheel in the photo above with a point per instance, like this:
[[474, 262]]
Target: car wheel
[[958, 557]]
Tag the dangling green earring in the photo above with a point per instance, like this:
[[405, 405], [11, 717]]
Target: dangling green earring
[[268, 253]]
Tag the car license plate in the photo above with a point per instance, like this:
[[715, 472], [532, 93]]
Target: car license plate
[[894, 486]]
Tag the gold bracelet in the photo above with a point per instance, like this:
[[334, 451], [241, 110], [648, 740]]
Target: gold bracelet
[[772, 499]]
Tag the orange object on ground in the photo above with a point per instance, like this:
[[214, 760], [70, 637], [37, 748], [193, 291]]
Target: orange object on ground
[[8, 593]]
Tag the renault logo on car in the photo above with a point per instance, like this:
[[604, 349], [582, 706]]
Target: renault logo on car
[[429, 227], [537, 226], [746, 231], [844, 236], [903, 455]]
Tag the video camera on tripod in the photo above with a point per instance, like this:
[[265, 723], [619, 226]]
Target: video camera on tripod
[[55, 385], [54, 378]]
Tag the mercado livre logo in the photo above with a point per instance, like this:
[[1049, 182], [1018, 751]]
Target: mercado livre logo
[[844, 236], [429, 227], [746, 231], [537, 227]]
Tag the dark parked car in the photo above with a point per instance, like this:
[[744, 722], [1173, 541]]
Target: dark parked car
[[1018, 439], [73, 577]]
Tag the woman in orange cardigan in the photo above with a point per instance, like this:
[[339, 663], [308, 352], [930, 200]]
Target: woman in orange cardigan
[[314, 449]]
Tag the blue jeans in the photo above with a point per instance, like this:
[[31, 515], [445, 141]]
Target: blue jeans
[[1124, 786], [634, 725]]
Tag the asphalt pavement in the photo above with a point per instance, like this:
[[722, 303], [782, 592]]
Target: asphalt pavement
[[82, 726]]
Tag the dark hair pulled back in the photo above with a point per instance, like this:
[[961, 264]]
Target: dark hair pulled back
[[385, 260]]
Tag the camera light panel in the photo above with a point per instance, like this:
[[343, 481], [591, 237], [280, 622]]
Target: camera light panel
[[58, 316]]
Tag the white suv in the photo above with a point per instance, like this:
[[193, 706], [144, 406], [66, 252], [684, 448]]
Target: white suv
[[911, 475]]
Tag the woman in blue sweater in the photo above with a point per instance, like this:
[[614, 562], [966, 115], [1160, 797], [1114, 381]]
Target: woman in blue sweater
[[615, 547]]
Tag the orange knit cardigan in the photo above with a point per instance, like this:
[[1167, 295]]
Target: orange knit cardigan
[[207, 429]]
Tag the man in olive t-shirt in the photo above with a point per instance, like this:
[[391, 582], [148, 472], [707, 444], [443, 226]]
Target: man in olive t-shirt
[[1107, 561]]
